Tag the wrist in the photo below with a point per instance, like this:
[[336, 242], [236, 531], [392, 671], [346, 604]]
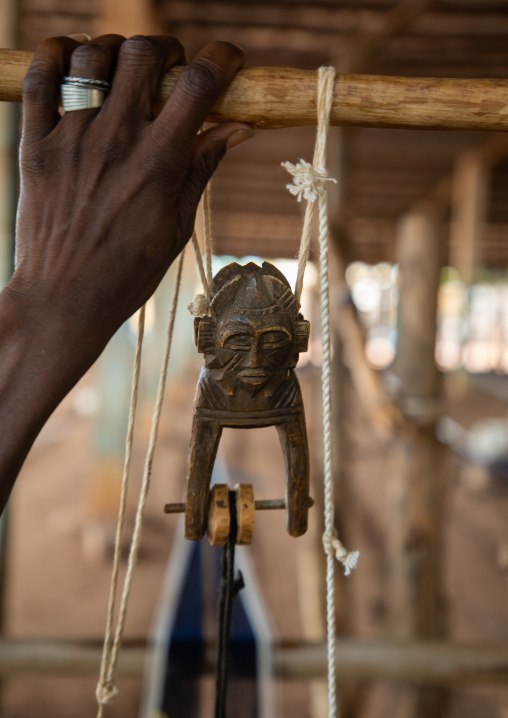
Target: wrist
[[51, 336]]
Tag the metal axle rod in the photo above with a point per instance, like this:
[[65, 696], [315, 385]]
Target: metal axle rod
[[261, 505]]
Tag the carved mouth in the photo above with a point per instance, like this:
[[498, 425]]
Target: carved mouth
[[253, 376]]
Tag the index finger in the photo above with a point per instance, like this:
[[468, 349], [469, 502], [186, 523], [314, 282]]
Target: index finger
[[197, 89], [41, 87]]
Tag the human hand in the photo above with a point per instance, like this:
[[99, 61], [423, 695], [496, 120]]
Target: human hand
[[109, 195]]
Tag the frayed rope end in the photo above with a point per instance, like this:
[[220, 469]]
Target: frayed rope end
[[308, 181], [333, 547], [200, 306]]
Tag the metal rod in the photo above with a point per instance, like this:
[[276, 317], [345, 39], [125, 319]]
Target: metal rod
[[261, 505]]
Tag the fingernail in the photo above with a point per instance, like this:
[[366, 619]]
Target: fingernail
[[81, 37], [238, 137]]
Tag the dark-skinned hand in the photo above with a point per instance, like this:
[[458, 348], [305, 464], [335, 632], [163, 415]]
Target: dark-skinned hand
[[108, 200], [110, 195]]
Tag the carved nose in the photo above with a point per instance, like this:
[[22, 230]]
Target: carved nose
[[254, 360]]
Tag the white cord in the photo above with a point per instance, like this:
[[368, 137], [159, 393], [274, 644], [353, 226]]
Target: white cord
[[106, 688], [200, 306], [310, 182]]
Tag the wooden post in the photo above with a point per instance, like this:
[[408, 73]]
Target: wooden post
[[469, 206], [416, 480], [9, 140]]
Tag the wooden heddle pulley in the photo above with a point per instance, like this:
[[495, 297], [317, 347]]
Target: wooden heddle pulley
[[251, 339], [220, 501]]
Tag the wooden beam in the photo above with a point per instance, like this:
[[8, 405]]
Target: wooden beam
[[131, 18], [265, 97], [364, 46], [279, 16], [470, 171], [330, 17], [431, 662]]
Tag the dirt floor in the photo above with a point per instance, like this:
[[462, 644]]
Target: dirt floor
[[58, 584]]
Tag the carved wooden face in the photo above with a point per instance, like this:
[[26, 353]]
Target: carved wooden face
[[257, 331], [255, 348]]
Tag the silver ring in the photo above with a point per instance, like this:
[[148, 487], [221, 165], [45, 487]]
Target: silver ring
[[81, 93]]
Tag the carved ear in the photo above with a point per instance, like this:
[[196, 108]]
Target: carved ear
[[302, 331], [204, 334]]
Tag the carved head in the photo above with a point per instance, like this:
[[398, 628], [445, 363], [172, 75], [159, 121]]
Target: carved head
[[255, 329]]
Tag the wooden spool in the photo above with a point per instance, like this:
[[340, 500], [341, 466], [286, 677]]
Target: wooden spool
[[245, 513], [219, 514]]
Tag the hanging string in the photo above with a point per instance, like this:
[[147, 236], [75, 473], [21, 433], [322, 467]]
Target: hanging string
[[310, 182], [106, 688], [201, 266], [200, 306], [207, 232], [108, 636]]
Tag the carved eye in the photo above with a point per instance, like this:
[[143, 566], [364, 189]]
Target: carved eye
[[238, 342], [274, 340]]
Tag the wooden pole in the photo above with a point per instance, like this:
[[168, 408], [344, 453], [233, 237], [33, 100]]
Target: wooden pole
[[432, 662], [469, 213], [276, 97], [416, 484], [9, 140]]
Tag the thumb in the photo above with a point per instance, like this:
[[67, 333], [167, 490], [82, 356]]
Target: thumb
[[210, 147]]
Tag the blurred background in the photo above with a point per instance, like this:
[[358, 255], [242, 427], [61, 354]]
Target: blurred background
[[419, 242]]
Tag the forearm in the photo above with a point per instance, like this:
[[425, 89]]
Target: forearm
[[109, 196], [41, 359]]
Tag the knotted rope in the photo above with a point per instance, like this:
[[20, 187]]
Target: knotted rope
[[310, 182], [334, 547], [106, 688]]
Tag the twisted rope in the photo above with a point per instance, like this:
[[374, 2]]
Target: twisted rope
[[106, 690], [310, 182], [200, 306]]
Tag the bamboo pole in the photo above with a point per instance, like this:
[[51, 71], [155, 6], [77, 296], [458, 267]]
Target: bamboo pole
[[276, 97], [431, 662]]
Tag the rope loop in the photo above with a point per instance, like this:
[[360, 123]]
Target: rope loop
[[334, 547], [106, 692]]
